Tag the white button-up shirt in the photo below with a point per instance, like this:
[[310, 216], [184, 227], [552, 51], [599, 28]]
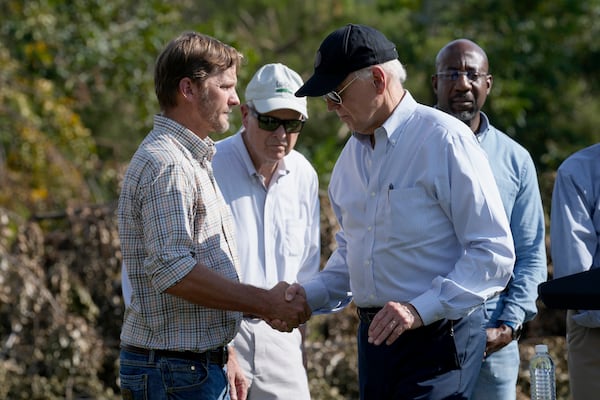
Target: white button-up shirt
[[421, 219], [277, 228]]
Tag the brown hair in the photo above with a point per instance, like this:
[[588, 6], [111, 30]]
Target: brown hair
[[192, 55]]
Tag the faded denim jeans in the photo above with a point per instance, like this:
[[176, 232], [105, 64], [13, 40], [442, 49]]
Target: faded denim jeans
[[146, 377]]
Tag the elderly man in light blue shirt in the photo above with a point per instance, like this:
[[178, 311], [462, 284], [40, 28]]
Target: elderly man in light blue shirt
[[462, 83], [575, 247], [423, 237]]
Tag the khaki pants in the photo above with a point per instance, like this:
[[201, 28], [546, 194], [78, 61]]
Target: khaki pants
[[272, 362], [583, 345]]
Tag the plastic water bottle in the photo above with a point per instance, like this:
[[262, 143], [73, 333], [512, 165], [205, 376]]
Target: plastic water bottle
[[542, 373]]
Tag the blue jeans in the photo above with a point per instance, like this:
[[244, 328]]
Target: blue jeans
[[146, 377], [498, 376]]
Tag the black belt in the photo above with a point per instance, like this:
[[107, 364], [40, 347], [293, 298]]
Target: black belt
[[366, 314], [216, 356]]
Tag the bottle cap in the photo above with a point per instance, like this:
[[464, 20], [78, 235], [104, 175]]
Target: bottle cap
[[541, 348]]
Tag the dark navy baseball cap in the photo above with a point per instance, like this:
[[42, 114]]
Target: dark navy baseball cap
[[346, 50]]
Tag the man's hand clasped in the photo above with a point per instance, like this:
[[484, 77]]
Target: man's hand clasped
[[289, 307]]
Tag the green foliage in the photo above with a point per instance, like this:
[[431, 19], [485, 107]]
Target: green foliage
[[77, 77], [43, 144], [76, 81], [542, 55]]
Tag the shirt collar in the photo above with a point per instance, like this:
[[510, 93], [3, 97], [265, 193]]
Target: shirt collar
[[201, 149], [395, 122], [240, 147], [484, 126]]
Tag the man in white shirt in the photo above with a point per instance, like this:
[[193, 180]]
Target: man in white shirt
[[423, 238], [273, 194]]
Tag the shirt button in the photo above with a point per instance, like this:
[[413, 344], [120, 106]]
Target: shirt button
[[369, 228], [373, 194]]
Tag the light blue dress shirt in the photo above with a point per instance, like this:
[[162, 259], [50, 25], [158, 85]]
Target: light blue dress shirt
[[517, 182], [575, 220], [421, 219]]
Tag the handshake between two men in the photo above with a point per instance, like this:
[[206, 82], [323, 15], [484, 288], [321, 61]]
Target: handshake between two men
[[289, 308]]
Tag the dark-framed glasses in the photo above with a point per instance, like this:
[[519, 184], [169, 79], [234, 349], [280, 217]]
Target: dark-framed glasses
[[271, 124], [336, 97], [453, 76]]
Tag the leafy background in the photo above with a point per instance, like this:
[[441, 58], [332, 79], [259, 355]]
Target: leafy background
[[77, 97]]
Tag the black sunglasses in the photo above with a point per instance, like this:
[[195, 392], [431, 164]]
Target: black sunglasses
[[271, 124]]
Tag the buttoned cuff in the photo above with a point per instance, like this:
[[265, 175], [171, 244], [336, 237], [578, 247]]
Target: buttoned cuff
[[316, 294], [429, 311]]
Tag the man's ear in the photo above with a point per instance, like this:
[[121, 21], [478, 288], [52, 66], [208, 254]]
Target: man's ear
[[490, 82], [245, 114], [379, 79], [186, 88], [434, 83]]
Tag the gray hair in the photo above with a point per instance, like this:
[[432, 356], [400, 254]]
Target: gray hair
[[393, 68]]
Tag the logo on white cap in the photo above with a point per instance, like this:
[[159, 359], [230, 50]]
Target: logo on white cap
[[272, 88]]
